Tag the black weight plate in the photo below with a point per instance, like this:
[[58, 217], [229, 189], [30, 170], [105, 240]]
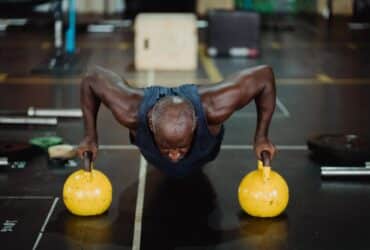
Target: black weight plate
[[56, 162], [17, 151], [340, 149]]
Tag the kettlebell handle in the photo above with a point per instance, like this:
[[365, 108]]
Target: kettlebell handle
[[87, 160], [266, 158], [266, 168]]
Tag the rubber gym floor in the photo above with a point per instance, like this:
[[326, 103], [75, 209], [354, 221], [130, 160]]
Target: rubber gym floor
[[322, 74]]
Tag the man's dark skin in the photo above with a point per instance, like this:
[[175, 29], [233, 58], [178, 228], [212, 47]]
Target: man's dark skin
[[219, 102]]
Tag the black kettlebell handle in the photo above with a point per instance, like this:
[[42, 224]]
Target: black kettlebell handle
[[87, 160], [266, 158]]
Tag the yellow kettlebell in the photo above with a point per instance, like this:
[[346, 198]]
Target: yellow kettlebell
[[87, 192], [263, 192]]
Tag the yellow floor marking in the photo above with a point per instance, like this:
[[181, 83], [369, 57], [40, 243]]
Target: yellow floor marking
[[275, 45], [307, 81], [45, 45], [124, 45], [324, 78], [118, 45], [41, 80], [295, 81], [209, 66], [37, 80], [3, 76], [114, 45], [352, 46], [348, 81]]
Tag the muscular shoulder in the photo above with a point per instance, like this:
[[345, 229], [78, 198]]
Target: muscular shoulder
[[112, 90], [218, 104], [222, 99]]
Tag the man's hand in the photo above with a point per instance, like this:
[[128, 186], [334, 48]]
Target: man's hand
[[88, 144], [263, 144]]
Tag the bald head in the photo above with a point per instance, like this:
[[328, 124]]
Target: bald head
[[173, 115], [173, 123]]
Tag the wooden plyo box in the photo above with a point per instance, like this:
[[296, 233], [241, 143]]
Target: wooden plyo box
[[339, 7], [203, 6], [166, 41]]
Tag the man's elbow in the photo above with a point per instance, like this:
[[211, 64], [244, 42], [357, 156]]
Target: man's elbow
[[267, 70], [94, 70], [259, 72], [267, 74], [88, 86], [89, 80]]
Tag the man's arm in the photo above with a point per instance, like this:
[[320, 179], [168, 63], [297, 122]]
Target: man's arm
[[103, 86], [235, 92]]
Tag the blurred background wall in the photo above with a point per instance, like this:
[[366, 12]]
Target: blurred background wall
[[339, 7], [100, 6]]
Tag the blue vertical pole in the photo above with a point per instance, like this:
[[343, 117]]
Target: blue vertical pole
[[71, 32]]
